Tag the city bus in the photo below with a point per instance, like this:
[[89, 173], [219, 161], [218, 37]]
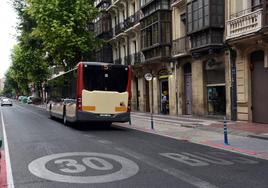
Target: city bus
[[91, 92]]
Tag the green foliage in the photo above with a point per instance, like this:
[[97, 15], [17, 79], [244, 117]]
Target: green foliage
[[65, 28], [60, 27], [11, 86]]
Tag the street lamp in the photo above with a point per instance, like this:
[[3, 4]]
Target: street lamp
[[149, 77]]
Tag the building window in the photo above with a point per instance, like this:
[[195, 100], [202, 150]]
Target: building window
[[155, 5], [154, 27], [166, 34], [199, 17]]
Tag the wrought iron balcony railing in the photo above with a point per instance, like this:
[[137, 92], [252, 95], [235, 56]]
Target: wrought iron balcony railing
[[119, 28], [134, 58], [127, 23], [100, 3], [133, 19], [180, 46]]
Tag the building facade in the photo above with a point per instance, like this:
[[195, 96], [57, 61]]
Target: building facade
[[207, 57], [103, 30], [247, 37]]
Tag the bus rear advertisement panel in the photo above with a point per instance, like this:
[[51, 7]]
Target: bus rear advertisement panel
[[91, 92]]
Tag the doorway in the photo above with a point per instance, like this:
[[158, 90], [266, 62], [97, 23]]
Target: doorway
[[259, 89], [188, 88], [164, 93]]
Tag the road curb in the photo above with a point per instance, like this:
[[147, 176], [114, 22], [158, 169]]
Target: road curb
[[258, 137], [259, 155]]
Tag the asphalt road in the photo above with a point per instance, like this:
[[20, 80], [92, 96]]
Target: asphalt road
[[45, 153]]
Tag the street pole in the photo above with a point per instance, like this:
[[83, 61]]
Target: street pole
[[149, 78], [176, 89], [152, 108]]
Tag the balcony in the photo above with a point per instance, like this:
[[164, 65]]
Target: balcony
[[134, 59], [175, 3], [100, 3], [127, 23], [133, 19], [244, 23], [119, 28], [180, 46]]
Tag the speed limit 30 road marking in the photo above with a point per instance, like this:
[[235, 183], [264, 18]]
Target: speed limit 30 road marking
[[69, 170]]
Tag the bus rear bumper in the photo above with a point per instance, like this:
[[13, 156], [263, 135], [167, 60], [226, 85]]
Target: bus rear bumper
[[87, 116]]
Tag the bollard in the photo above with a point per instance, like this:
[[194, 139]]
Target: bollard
[[129, 121], [152, 121], [225, 132]]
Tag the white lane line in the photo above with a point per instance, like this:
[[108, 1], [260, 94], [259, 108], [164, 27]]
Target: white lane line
[[10, 183]]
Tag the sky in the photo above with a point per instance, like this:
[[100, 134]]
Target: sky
[[8, 22]]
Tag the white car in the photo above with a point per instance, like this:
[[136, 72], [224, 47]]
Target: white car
[[6, 102], [29, 100]]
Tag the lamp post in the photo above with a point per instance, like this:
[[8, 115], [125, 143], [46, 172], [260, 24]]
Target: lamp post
[[149, 77]]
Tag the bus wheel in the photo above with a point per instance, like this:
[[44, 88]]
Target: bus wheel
[[65, 122], [50, 115]]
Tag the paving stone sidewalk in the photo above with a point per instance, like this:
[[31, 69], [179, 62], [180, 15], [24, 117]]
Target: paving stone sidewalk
[[246, 138]]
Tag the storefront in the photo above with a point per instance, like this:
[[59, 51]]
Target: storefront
[[163, 76], [215, 87]]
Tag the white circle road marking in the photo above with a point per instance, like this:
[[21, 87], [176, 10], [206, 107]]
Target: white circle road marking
[[38, 168]]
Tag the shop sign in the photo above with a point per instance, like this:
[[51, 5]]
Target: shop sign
[[164, 73], [212, 64]]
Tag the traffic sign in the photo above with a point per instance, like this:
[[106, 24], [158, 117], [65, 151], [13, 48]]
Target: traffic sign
[[148, 76]]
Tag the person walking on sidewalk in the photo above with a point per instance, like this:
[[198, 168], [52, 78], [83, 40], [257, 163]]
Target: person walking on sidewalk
[[164, 104]]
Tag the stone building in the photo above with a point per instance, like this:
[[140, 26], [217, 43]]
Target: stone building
[[207, 57], [247, 37]]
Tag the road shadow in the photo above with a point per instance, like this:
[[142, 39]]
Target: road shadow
[[94, 126]]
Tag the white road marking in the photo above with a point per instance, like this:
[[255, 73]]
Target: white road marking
[[10, 182], [197, 182], [39, 168]]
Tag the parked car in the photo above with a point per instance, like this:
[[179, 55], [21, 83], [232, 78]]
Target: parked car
[[29, 100], [20, 97], [24, 99], [6, 101]]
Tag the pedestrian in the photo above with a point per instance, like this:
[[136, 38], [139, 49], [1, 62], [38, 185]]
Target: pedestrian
[[164, 104]]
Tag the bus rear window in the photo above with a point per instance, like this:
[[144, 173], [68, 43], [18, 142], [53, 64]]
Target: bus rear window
[[113, 78]]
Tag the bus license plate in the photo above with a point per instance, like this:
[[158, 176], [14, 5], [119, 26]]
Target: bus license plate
[[105, 115]]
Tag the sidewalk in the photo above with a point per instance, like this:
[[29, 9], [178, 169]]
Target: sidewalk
[[246, 138]]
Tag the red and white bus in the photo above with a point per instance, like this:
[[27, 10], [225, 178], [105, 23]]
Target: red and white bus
[[92, 92]]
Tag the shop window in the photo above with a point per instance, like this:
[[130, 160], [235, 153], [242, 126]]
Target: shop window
[[216, 100], [215, 78]]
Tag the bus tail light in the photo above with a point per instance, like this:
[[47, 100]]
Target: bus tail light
[[79, 103], [89, 108]]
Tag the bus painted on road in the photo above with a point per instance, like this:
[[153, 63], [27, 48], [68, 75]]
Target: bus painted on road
[[91, 92]]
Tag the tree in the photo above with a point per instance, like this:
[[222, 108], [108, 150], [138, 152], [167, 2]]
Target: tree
[[64, 26], [27, 57], [11, 86]]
